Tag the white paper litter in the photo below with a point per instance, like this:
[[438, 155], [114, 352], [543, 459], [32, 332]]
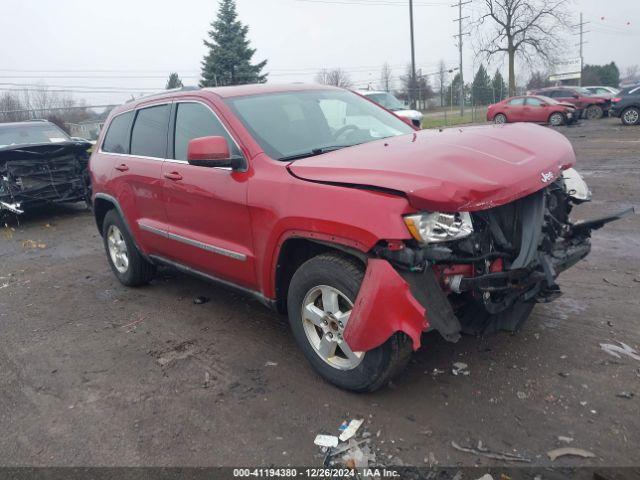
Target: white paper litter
[[351, 430], [330, 441]]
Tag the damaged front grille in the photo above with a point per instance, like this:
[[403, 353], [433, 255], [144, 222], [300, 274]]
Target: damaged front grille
[[38, 174]]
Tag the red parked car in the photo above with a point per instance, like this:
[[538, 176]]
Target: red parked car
[[590, 106], [531, 109], [326, 206]]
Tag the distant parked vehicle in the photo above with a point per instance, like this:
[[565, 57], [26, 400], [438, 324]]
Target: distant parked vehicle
[[390, 102], [40, 164], [603, 91], [538, 109], [590, 106], [626, 106]]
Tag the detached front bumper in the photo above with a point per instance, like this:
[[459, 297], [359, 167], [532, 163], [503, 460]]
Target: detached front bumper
[[406, 292]]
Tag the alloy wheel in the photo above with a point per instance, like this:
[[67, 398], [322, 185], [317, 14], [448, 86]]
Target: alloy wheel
[[631, 116], [556, 119], [499, 119], [117, 249], [325, 314]]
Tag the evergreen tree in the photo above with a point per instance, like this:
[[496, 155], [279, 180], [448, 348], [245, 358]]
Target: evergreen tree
[[500, 90], [601, 75], [174, 81], [482, 91], [228, 61]]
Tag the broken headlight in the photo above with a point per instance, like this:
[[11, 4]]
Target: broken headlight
[[575, 186], [439, 227]]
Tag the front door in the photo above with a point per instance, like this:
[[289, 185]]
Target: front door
[[209, 221], [535, 110], [514, 109]]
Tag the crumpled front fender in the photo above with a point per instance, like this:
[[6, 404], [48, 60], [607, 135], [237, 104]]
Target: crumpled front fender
[[383, 307]]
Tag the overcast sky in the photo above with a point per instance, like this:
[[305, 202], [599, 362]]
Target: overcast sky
[[100, 47]]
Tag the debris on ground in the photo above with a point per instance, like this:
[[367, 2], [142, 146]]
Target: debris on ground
[[271, 364], [460, 368], [522, 395], [623, 349], [484, 452], [200, 300], [565, 439], [328, 441], [576, 452], [351, 430], [627, 395], [206, 380]]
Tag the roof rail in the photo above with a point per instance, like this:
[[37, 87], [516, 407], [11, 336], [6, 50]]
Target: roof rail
[[163, 92]]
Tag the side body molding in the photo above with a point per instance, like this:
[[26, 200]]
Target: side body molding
[[384, 306]]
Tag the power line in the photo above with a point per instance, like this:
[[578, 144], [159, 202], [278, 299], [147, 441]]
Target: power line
[[371, 3], [459, 36]]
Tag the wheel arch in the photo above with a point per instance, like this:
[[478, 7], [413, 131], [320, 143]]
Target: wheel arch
[[297, 249]]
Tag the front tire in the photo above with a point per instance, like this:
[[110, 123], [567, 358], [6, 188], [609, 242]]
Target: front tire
[[128, 265], [321, 295], [631, 116], [594, 112], [556, 119]]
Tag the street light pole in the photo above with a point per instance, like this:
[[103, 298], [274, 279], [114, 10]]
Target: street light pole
[[413, 58]]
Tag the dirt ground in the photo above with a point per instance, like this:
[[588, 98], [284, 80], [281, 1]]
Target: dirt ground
[[93, 373]]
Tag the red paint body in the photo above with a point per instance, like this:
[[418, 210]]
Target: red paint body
[[535, 109], [573, 96], [254, 211]]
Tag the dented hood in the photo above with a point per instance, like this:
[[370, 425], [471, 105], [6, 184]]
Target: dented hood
[[458, 169]]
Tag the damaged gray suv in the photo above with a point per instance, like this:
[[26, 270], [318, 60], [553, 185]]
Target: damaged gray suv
[[40, 164]]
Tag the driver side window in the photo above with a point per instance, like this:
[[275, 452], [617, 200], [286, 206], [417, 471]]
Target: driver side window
[[194, 120]]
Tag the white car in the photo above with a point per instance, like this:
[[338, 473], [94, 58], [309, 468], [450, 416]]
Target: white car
[[390, 102], [603, 91]]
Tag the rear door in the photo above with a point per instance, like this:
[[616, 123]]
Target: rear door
[[209, 221], [136, 181], [514, 109]]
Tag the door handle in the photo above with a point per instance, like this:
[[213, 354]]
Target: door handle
[[173, 176], [122, 167]]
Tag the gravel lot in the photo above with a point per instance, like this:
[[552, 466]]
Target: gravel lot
[[93, 373]]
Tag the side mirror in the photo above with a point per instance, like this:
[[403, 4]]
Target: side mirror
[[544, 104], [409, 122], [210, 152], [575, 95]]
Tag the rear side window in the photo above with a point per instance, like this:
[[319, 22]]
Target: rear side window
[[117, 138], [516, 101], [534, 102], [149, 134], [194, 120]]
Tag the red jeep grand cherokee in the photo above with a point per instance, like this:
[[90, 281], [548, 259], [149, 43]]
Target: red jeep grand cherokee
[[326, 206]]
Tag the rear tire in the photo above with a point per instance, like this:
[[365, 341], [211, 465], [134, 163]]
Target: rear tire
[[594, 112], [557, 119], [128, 265], [630, 116], [325, 285], [500, 118]]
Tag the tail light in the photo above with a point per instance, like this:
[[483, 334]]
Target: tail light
[[616, 100]]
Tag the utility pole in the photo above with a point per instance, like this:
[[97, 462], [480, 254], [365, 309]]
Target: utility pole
[[413, 59], [581, 45], [459, 36]]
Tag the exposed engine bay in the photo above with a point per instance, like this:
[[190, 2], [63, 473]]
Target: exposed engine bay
[[493, 277], [32, 175]]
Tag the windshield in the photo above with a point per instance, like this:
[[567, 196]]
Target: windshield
[[30, 134], [386, 100], [299, 124]]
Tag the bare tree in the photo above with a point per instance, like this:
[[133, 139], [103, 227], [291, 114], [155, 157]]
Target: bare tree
[[442, 80], [335, 77], [530, 29], [386, 77], [632, 74], [11, 108]]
